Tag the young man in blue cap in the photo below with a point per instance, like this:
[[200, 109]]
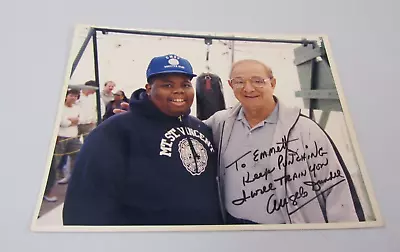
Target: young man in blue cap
[[152, 165]]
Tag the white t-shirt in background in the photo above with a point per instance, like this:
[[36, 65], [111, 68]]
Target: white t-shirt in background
[[66, 130], [88, 113]]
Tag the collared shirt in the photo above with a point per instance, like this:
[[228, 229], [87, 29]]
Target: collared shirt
[[248, 185], [106, 97]]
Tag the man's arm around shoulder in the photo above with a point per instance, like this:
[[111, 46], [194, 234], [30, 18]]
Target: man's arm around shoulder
[[214, 120]]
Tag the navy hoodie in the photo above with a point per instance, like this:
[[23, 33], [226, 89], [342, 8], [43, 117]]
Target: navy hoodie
[[137, 168]]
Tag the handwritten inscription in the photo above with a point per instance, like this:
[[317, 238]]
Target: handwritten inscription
[[316, 186], [265, 183], [317, 166], [280, 146], [276, 205], [237, 164], [253, 194], [295, 157], [288, 178], [249, 179]]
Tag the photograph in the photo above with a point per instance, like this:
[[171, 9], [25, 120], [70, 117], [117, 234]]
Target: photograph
[[202, 131]]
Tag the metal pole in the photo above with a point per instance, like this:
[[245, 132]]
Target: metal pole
[[313, 102], [233, 51], [96, 73], [82, 50], [179, 35]]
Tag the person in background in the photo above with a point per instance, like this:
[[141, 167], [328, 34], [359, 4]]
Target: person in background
[[152, 165], [119, 98], [88, 109], [68, 143], [88, 118], [49, 194], [107, 93]]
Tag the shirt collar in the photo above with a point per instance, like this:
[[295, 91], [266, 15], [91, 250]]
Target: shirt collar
[[106, 94], [271, 119]]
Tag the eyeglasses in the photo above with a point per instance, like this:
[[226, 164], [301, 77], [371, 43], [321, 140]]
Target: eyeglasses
[[257, 82]]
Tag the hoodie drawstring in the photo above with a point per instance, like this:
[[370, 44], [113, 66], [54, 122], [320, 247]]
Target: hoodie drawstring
[[195, 155]]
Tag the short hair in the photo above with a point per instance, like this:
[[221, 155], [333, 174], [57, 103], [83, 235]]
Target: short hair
[[73, 91], [268, 70], [91, 83], [105, 84]]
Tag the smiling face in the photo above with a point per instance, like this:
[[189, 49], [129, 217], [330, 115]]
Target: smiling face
[[109, 86], [173, 94], [253, 84]]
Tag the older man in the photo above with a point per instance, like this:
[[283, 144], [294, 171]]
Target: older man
[[107, 94], [276, 165]]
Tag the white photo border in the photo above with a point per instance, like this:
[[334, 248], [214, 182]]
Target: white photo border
[[378, 222]]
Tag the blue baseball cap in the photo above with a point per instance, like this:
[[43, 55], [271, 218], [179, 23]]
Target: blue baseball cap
[[169, 63]]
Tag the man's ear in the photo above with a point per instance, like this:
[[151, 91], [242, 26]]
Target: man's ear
[[273, 83], [230, 83], [148, 88]]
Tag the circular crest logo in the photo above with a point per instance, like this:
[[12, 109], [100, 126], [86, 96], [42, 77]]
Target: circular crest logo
[[173, 62], [187, 157]]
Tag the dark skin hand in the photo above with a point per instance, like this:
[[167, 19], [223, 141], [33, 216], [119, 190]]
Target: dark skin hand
[[124, 106]]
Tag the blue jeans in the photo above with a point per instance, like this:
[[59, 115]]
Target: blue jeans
[[63, 161]]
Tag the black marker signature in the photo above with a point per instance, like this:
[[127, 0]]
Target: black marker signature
[[253, 194], [341, 181], [280, 146], [256, 176], [318, 151], [317, 166], [288, 178], [274, 205], [316, 186], [237, 160]]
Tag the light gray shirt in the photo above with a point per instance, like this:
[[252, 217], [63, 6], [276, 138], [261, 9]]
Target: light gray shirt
[[106, 97], [248, 185]]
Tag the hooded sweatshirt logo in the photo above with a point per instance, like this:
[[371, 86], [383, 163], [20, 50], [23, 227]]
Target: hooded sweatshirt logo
[[187, 157], [186, 154]]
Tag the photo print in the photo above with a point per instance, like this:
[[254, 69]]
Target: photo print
[[181, 131]]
